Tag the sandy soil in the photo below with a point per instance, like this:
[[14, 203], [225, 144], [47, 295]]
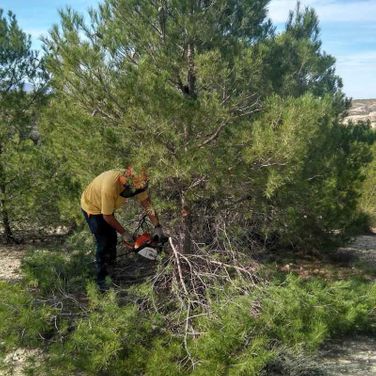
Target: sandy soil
[[10, 256], [16, 361], [350, 357]]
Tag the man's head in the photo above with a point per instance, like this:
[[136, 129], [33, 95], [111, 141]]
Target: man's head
[[133, 181], [137, 178]]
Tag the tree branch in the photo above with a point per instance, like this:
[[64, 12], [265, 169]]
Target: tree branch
[[213, 136]]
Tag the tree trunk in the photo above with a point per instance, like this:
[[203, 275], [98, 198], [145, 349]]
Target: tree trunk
[[191, 77], [187, 223], [9, 238]]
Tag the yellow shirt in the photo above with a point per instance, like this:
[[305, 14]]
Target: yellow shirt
[[102, 195]]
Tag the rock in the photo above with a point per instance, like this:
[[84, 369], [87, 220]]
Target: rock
[[362, 110]]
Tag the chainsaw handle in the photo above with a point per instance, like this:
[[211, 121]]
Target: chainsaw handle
[[160, 240], [128, 245]]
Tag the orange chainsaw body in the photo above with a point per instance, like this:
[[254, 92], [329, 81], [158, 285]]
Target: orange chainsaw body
[[143, 240]]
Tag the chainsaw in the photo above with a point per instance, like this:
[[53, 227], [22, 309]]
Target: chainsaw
[[149, 246]]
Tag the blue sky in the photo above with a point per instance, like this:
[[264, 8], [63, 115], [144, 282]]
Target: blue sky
[[348, 32]]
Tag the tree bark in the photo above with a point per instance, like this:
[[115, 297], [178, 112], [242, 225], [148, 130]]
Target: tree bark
[[9, 238], [187, 221], [191, 71]]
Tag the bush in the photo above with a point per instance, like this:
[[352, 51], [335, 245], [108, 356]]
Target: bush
[[243, 335], [52, 271], [110, 339], [306, 171], [304, 314], [24, 321]]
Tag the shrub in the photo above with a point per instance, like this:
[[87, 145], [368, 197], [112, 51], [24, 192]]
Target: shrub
[[244, 334], [110, 339], [52, 271], [306, 171], [23, 320]]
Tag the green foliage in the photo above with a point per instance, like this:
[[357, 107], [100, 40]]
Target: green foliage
[[305, 169], [19, 66], [303, 314], [240, 335], [244, 334], [296, 65], [70, 139], [165, 357], [141, 89], [53, 271], [81, 241], [368, 199], [23, 320], [111, 339], [178, 88], [236, 124], [189, 91]]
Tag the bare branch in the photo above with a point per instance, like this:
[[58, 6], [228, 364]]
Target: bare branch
[[213, 136], [176, 254]]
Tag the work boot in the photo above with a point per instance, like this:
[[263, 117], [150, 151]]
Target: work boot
[[102, 286]]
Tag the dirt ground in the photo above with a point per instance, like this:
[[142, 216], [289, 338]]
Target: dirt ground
[[11, 256], [15, 361], [350, 357]]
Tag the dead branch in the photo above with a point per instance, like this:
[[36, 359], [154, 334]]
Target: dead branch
[[178, 266]]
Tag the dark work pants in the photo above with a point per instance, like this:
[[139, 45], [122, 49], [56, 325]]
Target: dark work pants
[[106, 239]]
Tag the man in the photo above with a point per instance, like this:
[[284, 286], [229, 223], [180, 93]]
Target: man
[[106, 193]]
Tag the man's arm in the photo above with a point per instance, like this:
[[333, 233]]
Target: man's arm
[[148, 207], [108, 206], [149, 210], [113, 222]]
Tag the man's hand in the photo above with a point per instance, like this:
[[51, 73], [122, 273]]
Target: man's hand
[[158, 232], [127, 239], [126, 236]]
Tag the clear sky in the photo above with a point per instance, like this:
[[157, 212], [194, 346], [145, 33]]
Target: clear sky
[[348, 32]]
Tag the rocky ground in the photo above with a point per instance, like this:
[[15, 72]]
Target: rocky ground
[[363, 109]]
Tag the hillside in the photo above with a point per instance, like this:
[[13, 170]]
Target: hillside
[[363, 109]]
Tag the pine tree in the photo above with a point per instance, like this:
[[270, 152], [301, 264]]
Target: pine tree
[[175, 85], [166, 80], [22, 86]]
